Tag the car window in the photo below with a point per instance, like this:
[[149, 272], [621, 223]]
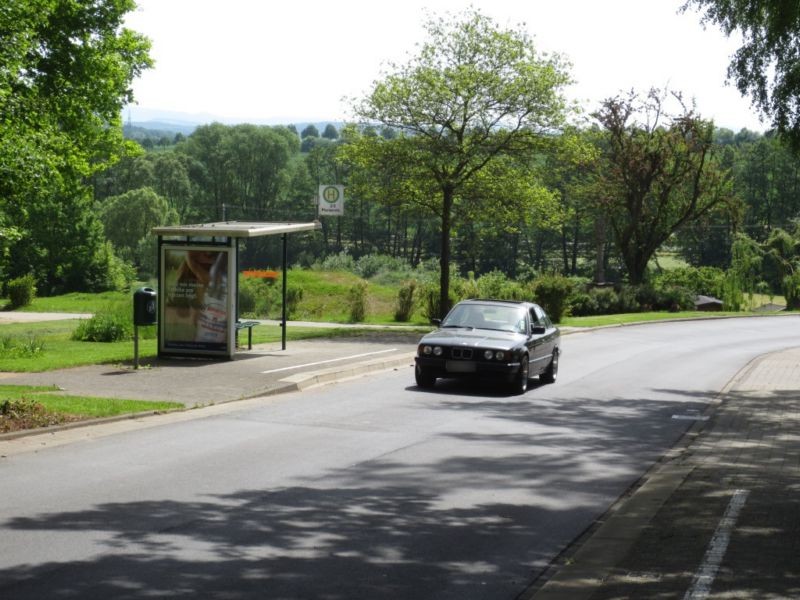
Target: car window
[[487, 316]]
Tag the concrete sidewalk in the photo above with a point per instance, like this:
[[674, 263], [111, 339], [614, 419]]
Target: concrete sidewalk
[[264, 370], [718, 518]]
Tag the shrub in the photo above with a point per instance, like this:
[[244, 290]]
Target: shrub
[[357, 301], [405, 301], [583, 304], [490, 285], [553, 292], [430, 302], [258, 297], [112, 324], [294, 295], [371, 265], [338, 262], [21, 291], [103, 327]]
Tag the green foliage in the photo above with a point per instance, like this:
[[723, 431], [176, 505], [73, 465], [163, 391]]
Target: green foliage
[[708, 281], [294, 295], [406, 299], [552, 293], [259, 298], [21, 291], [129, 217], [21, 346], [112, 324], [357, 301], [765, 66], [791, 290], [65, 73], [658, 174], [448, 160]]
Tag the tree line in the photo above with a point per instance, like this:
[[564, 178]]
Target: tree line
[[469, 153]]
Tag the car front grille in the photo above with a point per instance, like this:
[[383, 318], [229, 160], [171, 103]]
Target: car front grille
[[461, 353]]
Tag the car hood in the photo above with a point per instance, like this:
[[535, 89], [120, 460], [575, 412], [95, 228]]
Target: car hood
[[474, 338]]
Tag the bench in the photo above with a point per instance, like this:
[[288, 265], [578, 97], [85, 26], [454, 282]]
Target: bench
[[249, 326]]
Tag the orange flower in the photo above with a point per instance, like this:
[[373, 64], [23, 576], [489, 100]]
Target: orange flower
[[260, 274]]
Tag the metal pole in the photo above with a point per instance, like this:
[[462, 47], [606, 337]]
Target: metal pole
[[283, 310], [135, 346]]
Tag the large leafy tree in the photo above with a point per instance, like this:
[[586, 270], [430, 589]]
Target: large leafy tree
[[657, 174], [767, 65], [65, 72], [476, 100]]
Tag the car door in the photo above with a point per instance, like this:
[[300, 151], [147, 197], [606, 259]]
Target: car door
[[543, 336]]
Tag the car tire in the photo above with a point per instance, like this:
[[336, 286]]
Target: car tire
[[424, 378], [520, 383], [551, 373]]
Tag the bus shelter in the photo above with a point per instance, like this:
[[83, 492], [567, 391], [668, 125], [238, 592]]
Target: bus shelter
[[198, 299]]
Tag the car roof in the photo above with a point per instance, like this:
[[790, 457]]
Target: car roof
[[495, 301]]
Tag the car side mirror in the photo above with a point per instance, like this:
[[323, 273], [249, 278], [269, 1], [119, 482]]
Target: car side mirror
[[436, 322], [538, 329]]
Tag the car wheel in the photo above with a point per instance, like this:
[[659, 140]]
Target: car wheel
[[424, 378], [549, 376], [520, 384]]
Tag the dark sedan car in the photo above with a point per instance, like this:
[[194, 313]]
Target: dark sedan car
[[509, 341]]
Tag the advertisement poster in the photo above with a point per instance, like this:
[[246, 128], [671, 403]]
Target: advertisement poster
[[197, 305]]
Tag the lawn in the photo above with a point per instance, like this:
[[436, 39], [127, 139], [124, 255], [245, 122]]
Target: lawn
[[30, 407]]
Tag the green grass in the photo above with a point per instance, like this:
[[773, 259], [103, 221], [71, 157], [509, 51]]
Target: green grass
[[77, 302], [60, 351], [627, 318], [325, 298], [81, 406]]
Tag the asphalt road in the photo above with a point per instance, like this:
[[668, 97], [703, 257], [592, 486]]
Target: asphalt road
[[369, 488]]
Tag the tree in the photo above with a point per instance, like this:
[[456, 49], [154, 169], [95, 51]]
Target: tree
[[309, 131], [475, 97], [765, 66], [128, 219], [658, 174], [65, 72], [330, 132]]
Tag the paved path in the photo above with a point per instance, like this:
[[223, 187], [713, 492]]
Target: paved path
[[718, 518]]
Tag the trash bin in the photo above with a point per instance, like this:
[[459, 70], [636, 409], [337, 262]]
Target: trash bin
[[144, 306]]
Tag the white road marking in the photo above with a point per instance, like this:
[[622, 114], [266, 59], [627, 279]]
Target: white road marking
[[322, 362], [704, 578]]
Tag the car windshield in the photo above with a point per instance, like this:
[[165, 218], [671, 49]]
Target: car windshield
[[487, 316]]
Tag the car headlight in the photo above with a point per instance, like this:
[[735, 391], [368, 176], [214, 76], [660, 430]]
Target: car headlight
[[427, 350], [437, 350], [488, 354], [500, 355]]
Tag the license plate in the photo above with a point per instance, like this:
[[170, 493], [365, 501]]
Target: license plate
[[460, 366]]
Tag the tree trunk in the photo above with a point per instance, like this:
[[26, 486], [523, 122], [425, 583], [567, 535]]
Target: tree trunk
[[600, 248], [444, 259]]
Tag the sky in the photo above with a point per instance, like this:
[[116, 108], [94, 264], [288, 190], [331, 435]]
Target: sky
[[294, 61]]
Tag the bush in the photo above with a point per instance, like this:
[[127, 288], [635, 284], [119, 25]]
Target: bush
[[257, 297], [21, 291], [357, 301], [405, 301], [371, 265], [552, 292], [338, 262], [583, 304], [104, 327], [430, 302], [294, 295]]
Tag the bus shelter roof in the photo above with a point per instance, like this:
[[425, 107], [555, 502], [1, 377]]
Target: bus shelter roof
[[234, 229]]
